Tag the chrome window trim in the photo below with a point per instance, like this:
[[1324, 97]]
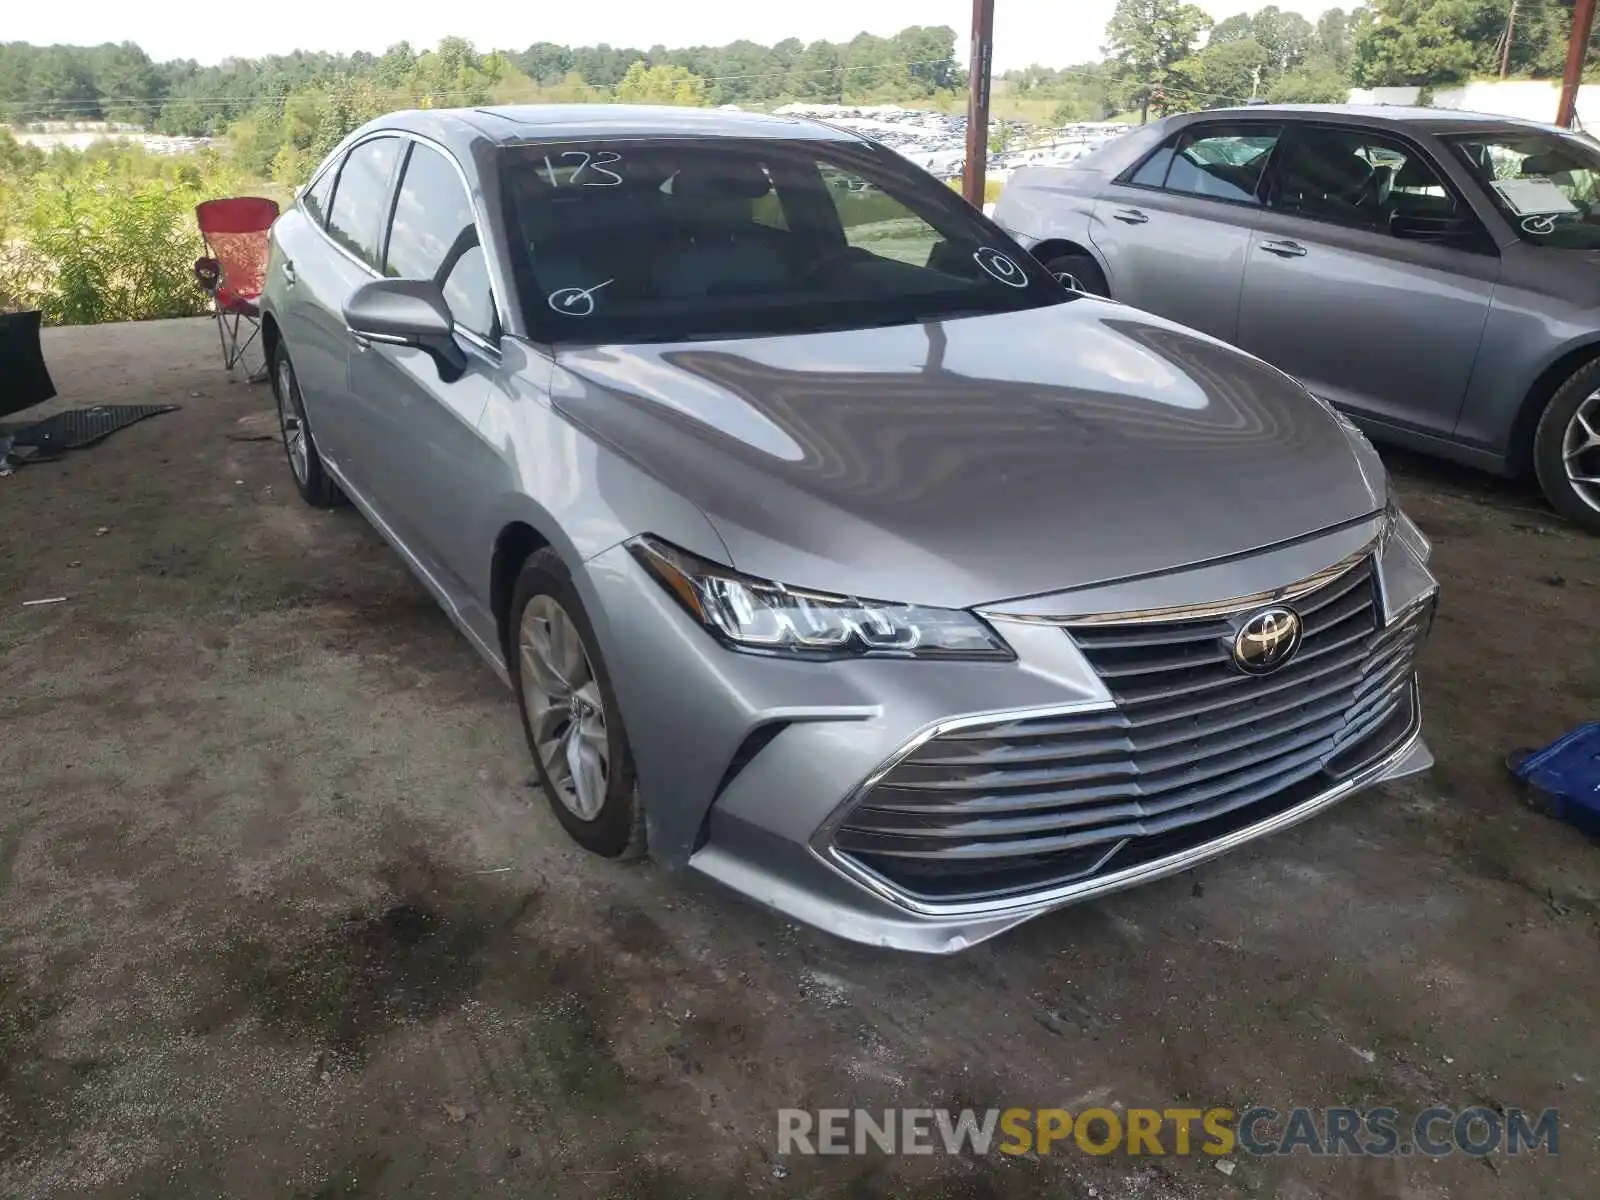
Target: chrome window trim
[[478, 222], [1032, 902], [1206, 610]]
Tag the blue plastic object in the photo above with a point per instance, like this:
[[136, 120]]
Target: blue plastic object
[[1565, 776]]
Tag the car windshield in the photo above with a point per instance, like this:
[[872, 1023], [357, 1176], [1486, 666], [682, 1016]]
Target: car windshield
[[666, 239], [1547, 184]]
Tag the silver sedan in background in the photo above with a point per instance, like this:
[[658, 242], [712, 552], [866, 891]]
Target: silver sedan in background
[[1435, 274], [831, 547]]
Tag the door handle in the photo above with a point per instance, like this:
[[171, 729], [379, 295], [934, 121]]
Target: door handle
[[1130, 216], [288, 273], [1285, 249]]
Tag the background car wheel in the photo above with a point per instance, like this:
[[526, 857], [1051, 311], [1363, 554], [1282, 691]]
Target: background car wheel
[[570, 715], [316, 488], [1566, 449], [1080, 272]]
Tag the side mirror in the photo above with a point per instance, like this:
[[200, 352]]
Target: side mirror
[[407, 312]]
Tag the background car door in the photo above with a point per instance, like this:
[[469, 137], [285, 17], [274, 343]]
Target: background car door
[[1369, 279], [1176, 230], [435, 467], [324, 276]]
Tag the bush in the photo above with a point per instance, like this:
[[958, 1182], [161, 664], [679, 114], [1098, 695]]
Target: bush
[[991, 189], [106, 235]]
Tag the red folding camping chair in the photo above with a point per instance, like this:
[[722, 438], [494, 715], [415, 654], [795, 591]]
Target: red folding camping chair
[[235, 232]]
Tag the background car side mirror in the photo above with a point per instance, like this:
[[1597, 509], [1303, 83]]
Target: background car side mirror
[[407, 312]]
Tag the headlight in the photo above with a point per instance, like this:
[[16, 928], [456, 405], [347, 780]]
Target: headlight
[[759, 615]]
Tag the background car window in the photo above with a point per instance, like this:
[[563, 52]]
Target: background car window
[[876, 222], [356, 217], [314, 200], [1358, 179], [1221, 162], [433, 236], [1153, 173], [1546, 184]]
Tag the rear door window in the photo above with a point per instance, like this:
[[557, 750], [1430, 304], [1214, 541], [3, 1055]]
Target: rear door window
[[1363, 180], [1220, 162], [355, 219]]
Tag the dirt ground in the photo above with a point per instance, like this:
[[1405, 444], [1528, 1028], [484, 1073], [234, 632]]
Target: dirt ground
[[280, 916]]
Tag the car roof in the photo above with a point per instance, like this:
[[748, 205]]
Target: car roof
[[515, 124], [1429, 120]]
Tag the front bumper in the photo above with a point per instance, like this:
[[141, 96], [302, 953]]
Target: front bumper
[[746, 763]]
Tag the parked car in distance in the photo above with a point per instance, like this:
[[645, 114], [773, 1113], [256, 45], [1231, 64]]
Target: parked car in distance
[[1435, 274], [831, 547]]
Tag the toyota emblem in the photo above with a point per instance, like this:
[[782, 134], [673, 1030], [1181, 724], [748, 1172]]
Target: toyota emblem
[[1267, 640]]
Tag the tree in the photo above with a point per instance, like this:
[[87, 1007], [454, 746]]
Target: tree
[[818, 73], [546, 62], [661, 85], [1333, 44], [1219, 75], [1440, 42], [1237, 28], [1146, 38], [1310, 85], [1286, 37]]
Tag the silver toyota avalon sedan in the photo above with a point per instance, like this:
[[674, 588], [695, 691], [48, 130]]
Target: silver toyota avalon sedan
[[832, 547], [1436, 274]]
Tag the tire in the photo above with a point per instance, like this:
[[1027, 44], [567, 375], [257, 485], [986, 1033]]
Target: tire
[[1080, 267], [315, 486], [607, 820], [1570, 424]]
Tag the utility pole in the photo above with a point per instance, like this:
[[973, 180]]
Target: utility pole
[[1511, 33], [977, 168], [1577, 48]]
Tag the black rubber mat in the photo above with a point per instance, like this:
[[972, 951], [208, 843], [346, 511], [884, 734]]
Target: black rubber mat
[[76, 428]]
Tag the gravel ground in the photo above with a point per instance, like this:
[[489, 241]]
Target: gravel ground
[[279, 914]]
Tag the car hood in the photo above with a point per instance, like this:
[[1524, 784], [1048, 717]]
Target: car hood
[[978, 459]]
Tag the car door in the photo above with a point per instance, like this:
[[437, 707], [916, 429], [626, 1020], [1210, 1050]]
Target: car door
[[423, 428], [1369, 277], [1175, 229], [324, 272], [311, 279]]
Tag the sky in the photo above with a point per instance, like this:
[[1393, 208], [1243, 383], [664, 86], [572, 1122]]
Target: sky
[[1054, 32]]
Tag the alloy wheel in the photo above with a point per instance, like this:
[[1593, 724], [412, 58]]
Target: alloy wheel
[[1580, 451], [565, 709], [294, 426]]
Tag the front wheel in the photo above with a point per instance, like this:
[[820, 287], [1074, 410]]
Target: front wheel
[[1080, 273], [310, 478], [570, 715], [1566, 449]]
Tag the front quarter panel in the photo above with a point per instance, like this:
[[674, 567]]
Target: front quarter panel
[[1042, 204], [580, 496]]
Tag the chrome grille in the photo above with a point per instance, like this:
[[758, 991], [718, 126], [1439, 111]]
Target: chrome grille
[[1016, 805]]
